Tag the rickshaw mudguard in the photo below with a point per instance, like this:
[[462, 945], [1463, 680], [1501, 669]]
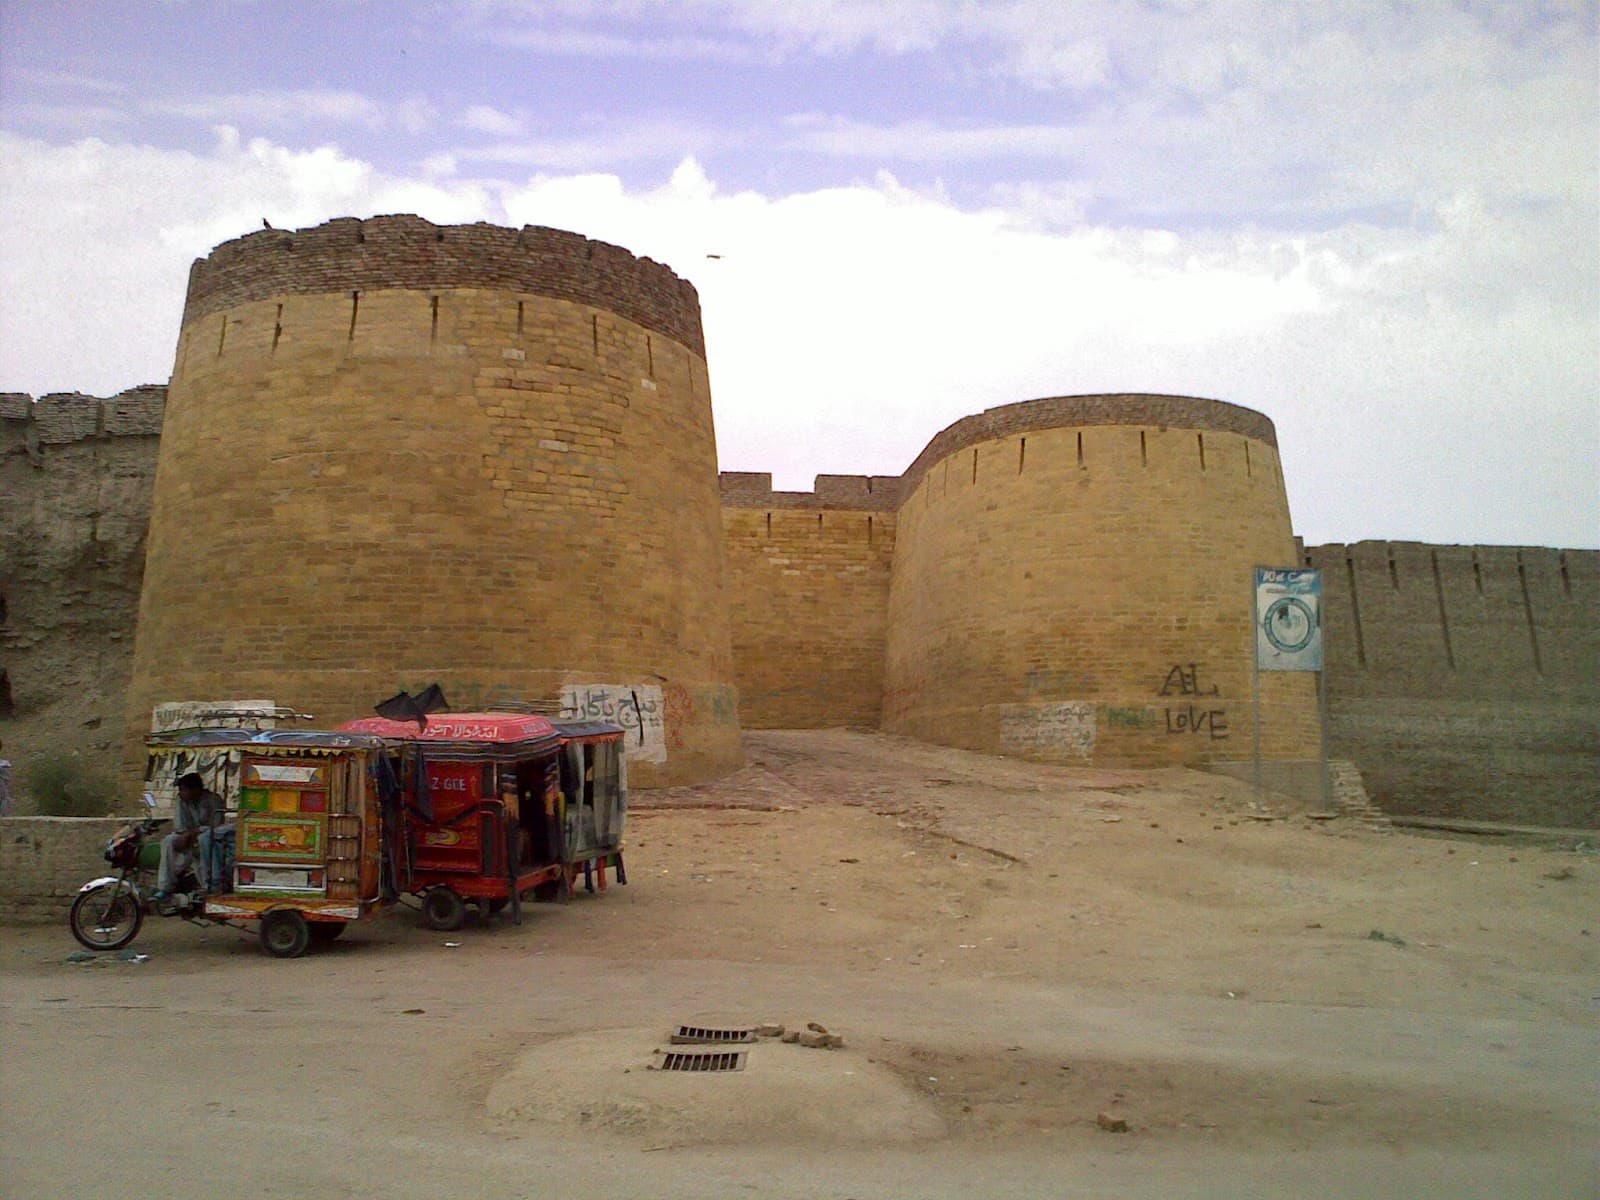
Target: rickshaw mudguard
[[105, 879]]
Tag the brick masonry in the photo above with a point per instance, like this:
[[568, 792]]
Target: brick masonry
[[44, 860], [1039, 571], [1465, 680], [1081, 593], [808, 590], [506, 491], [404, 252]]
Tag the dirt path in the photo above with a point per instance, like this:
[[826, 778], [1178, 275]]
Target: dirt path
[[1010, 951]]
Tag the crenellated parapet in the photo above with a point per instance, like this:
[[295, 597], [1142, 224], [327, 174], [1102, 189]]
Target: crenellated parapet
[[59, 418], [1131, 410], [407, 253], [854, 493]]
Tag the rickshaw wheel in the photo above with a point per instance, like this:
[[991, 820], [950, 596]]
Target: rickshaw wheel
[[323, 932], [285, 933], [443, 909], [107, 917]]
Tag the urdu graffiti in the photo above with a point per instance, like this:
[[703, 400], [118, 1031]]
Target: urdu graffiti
[[219, 768], [637, 708]]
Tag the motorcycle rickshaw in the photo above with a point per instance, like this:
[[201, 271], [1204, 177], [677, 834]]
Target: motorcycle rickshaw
[[306, 854], [501, 805]]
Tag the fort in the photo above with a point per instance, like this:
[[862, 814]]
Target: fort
[[393, 452]]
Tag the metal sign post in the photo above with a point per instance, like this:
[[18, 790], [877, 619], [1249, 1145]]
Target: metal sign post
[[1286, 612], [1255, 685], [1322, 737]]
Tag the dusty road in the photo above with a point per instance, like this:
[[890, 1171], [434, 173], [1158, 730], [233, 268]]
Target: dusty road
[[1009, 950]]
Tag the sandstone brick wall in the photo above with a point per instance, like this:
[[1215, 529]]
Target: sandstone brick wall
[[76, 474], [808, 586], [502, 490], [398, 452], [405, 252], [44, 860], [1082, 593], [1465, 680]]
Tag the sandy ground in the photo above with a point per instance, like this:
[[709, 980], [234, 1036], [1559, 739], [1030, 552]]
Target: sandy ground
[[1009, 950]]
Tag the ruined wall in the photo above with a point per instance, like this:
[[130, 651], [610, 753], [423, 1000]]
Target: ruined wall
[[1072, 578], [397, 453], [1465, 680], [808, 589], [75, 480]]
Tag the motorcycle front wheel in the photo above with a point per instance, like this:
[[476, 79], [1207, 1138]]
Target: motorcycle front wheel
[[106, 917]]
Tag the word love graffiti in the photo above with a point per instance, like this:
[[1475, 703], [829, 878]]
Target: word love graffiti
[[1190, 719], [1183, 679]]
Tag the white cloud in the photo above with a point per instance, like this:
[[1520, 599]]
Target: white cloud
[[292, 107], [1435, 382], [482, 118], [65, 79], [96, 241], [274, 107], [643, 141], [744, 29], [1186, 112], [579, 43], [927, 142], [69, 119]]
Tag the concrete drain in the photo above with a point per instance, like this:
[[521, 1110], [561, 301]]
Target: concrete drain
[[699, 1060], [694, 1035]]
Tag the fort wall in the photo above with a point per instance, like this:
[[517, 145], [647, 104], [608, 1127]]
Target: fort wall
[[808, 587], [397, 453], [1465, 680], [1071, 583], [75, 480]]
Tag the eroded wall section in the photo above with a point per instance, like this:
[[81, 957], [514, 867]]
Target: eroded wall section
[[76, 474]]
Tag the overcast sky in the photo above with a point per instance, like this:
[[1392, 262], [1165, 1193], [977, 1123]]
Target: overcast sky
[[1377, 223]]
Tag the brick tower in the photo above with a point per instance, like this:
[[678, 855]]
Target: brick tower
[[1072, 583], [396, 452]]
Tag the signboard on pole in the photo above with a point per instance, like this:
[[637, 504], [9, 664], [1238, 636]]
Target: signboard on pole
[[1288, 609]]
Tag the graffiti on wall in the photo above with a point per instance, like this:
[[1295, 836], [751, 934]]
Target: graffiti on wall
[[639, 708], [1199, 720], [1184, 680], [219, 768], [1065, 728], [1128, 718], [679, 712]]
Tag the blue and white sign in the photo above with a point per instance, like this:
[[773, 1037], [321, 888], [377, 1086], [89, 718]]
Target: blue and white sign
[[1288, 619]]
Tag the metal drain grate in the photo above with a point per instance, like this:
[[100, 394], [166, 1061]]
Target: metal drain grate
[[700, 1060], [689, 1035]]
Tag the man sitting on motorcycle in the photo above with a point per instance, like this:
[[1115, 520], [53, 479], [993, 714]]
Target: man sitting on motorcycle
[[200, 811]]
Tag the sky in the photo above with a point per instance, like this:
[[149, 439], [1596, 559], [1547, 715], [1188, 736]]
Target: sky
[[1376, 222]]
